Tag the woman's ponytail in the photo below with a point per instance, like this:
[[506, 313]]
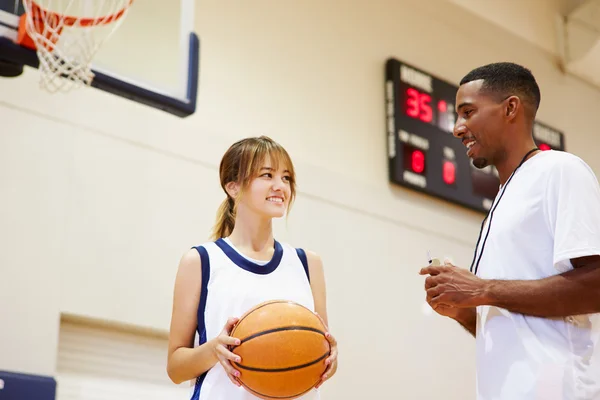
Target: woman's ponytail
[[225, 219]]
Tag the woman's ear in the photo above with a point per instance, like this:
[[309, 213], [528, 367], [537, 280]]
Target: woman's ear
[[232, 189]]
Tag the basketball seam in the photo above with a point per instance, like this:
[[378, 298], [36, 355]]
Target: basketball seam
[[257, 308], [280, 329], [308, 364]]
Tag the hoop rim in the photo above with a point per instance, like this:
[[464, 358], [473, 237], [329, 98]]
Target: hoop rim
[[36, 9]]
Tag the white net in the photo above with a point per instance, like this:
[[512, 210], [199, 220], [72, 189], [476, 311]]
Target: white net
[[67, 34]]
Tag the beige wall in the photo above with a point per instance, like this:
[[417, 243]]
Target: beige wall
[[100, 196]]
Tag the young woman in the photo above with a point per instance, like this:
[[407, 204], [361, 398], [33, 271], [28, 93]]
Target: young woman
[[243, 266]]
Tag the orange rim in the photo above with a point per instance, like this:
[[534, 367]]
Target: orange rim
[[37, 10]]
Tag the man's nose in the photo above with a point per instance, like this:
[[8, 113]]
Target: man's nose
[[459, 129]]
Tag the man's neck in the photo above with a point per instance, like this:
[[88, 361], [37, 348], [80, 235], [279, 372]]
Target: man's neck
[[513, 158]]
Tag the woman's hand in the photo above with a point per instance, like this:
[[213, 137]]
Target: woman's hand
[[330, 361], [221, 350]]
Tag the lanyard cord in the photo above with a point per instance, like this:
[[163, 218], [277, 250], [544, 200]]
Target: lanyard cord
[[491, 215]]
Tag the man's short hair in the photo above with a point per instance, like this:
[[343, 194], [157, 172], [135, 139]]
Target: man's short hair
[[505, 79]]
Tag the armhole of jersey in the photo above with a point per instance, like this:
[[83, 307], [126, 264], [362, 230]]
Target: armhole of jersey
[[304, 260], [205, 260]]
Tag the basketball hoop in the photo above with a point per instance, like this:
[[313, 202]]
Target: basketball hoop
[[66, 35]]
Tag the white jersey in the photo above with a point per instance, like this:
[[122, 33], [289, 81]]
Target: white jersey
[[549, 214], [231, 285]]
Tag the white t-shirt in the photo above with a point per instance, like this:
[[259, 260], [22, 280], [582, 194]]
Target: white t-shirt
[[549, 214]]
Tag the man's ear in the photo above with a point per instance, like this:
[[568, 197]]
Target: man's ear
[[512, 106], [232, 189]]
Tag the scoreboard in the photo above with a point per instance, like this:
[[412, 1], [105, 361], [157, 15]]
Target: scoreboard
[[423, 153]]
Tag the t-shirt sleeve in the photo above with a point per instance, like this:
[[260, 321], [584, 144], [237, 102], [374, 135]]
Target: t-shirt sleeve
[[573, 206]]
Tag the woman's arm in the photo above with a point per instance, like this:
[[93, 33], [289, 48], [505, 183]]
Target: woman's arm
[[319, 291], [186, 362]]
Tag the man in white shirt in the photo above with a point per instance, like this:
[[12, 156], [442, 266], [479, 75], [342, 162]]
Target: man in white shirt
[[532, 295]]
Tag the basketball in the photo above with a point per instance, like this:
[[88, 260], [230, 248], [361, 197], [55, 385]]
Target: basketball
[[283, 350]]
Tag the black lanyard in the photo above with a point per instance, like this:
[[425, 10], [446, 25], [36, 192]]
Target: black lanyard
[[491, 215]]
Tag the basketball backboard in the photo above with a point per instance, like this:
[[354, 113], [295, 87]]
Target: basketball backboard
[[152, 58]]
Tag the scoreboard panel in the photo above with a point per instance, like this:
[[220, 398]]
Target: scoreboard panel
[[422, 151]]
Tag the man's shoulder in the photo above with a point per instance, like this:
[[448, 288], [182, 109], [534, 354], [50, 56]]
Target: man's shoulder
[[557, 156], [560, 171], [555, 161]]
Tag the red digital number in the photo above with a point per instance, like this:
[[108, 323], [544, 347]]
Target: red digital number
[[449, 172], [426, 112], [413, 103], [418, 105], [418, 161]]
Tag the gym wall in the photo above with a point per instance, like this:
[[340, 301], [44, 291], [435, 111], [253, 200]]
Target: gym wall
[[100, 197]]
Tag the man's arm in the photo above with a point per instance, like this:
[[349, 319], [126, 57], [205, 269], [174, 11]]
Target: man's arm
[[468, 319], [574, 292]]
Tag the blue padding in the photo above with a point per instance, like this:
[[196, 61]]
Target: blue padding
[[15, 386]]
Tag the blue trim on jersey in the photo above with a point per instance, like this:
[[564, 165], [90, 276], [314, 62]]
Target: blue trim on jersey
[[302, 257], [248, 265], [205, 261]]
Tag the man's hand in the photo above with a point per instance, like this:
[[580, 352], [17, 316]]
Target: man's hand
[[445, 310], [450, 288]]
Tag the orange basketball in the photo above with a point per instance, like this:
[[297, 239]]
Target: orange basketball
[[283, 349]]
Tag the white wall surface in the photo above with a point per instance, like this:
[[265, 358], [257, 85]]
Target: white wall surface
[[534, 22], [99, 197]]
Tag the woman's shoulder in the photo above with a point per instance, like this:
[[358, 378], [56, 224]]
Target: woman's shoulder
[[311, 256]]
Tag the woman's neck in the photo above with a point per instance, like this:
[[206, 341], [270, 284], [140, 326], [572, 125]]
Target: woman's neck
[[253, 237]]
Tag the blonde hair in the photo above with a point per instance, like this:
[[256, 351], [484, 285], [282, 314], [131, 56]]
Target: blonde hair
[[241, 164]]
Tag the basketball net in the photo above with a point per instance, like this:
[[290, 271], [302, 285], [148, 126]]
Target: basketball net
[[66, 35]]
